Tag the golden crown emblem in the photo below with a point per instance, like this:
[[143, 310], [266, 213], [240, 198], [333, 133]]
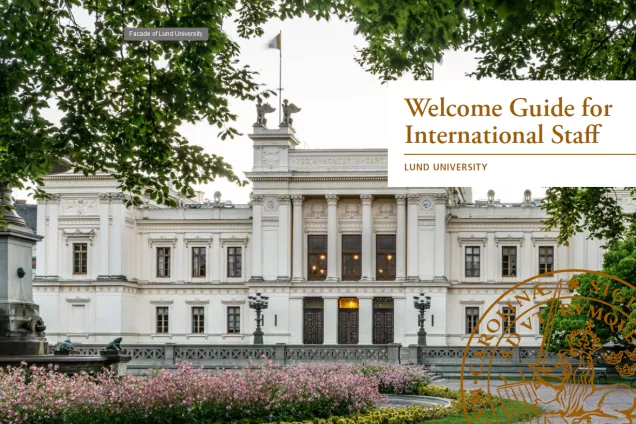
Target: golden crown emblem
[[585, 339], [613, 358], [631, 355], [626, 370]]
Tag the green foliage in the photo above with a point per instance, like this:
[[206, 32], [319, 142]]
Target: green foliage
[[596, 209], [122, 102], [619, 261]]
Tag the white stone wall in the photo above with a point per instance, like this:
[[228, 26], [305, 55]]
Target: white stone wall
[[292, 192]]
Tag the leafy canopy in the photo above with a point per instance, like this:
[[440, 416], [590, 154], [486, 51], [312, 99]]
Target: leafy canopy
[[597, 210], [617, 321], [122, 103]]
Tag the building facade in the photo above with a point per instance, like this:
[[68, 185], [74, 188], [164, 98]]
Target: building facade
[[338, 252]]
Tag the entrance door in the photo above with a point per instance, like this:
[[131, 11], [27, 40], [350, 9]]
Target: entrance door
[[348, 321], [313, 329], [313, 320], [382, 320]]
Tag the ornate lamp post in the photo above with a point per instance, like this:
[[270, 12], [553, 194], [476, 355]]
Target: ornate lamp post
[[422, 303], [258, 303]]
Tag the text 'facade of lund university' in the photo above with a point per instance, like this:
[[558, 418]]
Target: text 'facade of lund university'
[[339, 254]]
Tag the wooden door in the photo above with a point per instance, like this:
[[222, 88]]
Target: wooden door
[[382, 326], [313, 326], [348, 326]]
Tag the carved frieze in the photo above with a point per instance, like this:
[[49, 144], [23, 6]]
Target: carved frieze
[[271, 157], [384, 210], [349, 209]]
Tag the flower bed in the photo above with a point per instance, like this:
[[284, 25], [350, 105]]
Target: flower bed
[[266, 393]]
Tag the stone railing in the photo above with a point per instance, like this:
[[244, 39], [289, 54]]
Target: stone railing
[[170, 354], [426, 355]]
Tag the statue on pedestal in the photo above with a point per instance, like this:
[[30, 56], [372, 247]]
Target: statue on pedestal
[[288, 110], [261, 110], [115, 345]]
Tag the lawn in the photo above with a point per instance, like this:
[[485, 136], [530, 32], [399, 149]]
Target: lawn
[[498, 416]]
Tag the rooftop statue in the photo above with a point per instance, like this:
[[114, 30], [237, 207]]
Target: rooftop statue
[[288, 110], [261, 110]]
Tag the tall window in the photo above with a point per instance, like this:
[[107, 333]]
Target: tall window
[[351, 252], [509, 315], [198, 261], [234, 261], [546, 259], [162, 320], [163, 262], [80, 258], [385, 257], [472, 261], [198, 320], [317, 257], [509, 261], [472, 318], [233, 320]]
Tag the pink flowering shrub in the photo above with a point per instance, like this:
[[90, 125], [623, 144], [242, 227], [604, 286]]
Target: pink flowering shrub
[[397, 379], [253, 394]]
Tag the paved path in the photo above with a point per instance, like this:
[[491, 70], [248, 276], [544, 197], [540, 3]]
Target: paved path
[[610, 398]]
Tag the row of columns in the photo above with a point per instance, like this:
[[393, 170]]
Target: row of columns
[[407, 255]]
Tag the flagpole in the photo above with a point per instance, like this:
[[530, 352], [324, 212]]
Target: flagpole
[[280, 76]]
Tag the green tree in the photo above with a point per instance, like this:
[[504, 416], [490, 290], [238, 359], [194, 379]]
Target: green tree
[[619, 261], [596, 210], [122, 103]]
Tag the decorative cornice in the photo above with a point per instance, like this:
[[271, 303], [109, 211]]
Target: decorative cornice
[[440, 199], [78, 299], [162, 302], [162, 241], [366, 199], [318, 178], [197, 240], [233, 302], [196, 302], [284, 199], [332, 199], [544, 239], [78, 234], [472, 240], [234, 241], [508, 239]]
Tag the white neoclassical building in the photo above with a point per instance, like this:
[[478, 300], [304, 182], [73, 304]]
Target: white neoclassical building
[[339, 254]]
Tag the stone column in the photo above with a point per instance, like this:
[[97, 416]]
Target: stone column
[[332, 237], [413, 238], [440, 238], [331, 321], [297, 254], [399, 319], [365, 320], [104, 235], [296, 320], [52, 245], [400, 239], [41, 248], [490, 251], [257, 231], [283, 238], [367, 230], [116, 258]]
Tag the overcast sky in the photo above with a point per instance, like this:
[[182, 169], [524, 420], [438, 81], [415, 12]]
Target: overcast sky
[[342, 105]]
